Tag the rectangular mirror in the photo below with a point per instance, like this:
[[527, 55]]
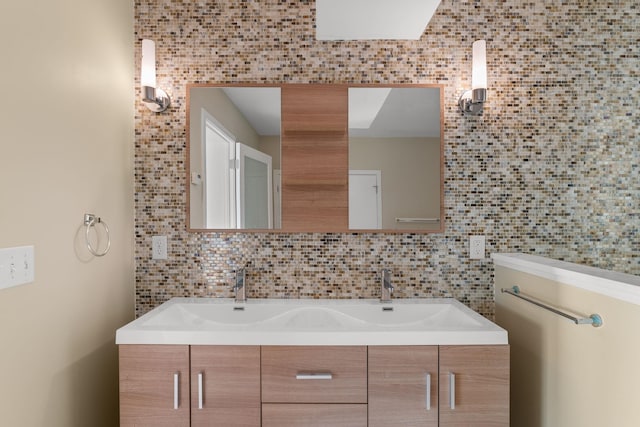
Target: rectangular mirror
[[396, 158], [234, 157]]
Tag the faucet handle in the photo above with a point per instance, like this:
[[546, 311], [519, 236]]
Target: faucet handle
[[239, 277], [240, 285], [386, 288]]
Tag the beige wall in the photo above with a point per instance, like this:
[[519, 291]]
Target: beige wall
[[564, 374], [271, 146], [410, 176], [66, 148]]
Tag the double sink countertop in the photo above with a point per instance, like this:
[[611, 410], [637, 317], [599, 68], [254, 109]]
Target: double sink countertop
[[222, 321]]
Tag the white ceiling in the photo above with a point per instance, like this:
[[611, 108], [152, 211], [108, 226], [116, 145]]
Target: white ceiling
[[405, 113], [373, 19], [260, 106], [364, 106]]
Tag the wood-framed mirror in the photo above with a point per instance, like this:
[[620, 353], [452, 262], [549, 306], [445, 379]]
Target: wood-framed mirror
[[315, 158]]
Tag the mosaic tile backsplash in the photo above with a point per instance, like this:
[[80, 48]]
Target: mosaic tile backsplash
[[550, 168]]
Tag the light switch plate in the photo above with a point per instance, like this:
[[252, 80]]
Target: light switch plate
[[476, 247], [16, 266]]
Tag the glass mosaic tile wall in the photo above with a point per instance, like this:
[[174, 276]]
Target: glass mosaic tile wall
[[550, 168]]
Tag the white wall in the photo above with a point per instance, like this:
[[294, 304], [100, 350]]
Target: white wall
[[564, 374], [66, 148]]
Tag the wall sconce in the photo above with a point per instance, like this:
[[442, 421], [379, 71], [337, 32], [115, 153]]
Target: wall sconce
[[471, 101], [155, 99]]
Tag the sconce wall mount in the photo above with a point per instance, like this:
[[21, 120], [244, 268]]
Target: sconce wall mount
[[471, 101], [155, 99]]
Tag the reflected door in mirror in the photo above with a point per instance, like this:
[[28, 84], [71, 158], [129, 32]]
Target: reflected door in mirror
[[365, 200], [255, 200], [219, 192]]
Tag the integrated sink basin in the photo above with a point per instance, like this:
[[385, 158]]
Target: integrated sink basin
[[217, 321]]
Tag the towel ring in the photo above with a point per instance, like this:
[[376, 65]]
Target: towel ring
[[91, 220]]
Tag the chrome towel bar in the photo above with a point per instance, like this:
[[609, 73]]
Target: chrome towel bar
[[594, 320]]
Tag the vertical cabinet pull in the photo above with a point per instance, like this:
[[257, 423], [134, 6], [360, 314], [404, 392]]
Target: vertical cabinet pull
[[176, 390], [200, 390], [428, 390], [452, 390]]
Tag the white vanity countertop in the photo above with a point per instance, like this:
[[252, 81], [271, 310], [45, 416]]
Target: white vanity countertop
[[221, 321], [625, 287]]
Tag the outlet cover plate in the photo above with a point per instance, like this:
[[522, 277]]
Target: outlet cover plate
[[476, 247], [159, 247]]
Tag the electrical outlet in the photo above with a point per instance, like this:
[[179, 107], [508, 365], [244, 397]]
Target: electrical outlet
[[159, 247], [16, 266], [476, 247]]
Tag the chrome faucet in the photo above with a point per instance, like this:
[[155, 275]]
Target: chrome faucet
[[386, 288], [240, 286]]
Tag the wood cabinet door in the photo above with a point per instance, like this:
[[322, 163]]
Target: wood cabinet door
[[474, 386], [225, 386], [315, 158], [403, 386], [154, 385]]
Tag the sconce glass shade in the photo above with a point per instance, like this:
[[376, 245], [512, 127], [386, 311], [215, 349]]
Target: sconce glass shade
[[155, 99], [479, 70], [148, 68]]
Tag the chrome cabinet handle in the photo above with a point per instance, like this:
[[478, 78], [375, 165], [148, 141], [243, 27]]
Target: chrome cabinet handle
[[200, 390], [314, 376], [176, 389], [452, 390], [428, 389]]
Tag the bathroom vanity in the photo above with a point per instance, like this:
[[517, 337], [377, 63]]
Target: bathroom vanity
[[313, 363]]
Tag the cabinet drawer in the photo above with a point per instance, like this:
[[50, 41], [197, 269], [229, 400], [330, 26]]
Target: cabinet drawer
[[314, 415], [314, 374]]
